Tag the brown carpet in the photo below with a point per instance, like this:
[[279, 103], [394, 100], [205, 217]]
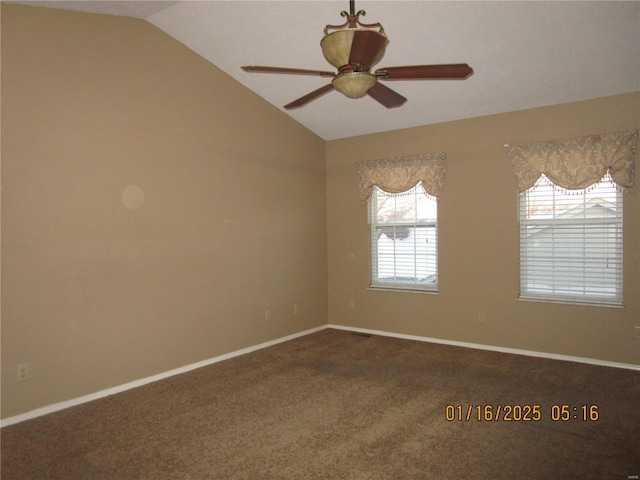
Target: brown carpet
[[336, 405]]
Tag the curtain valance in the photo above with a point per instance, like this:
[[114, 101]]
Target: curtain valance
[[576, 163], [401, 173]]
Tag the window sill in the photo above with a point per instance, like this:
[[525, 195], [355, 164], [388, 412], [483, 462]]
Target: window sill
[[569, 302], [399, 289]]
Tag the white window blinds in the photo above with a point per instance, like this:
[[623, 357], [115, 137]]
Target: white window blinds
[[571, 243], [404, 240]]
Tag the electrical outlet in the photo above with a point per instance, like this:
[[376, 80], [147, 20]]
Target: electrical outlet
[[296, 309], [636, 332], [481, 316], [23, 372], [352, 305], [267, 315]]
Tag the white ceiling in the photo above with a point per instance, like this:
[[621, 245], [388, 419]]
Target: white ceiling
[[525, 54]]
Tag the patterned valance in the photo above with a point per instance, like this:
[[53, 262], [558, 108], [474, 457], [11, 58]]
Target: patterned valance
[[577, 163], [401, 173]]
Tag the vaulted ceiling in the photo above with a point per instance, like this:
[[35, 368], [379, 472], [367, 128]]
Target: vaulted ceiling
[[524, 54]]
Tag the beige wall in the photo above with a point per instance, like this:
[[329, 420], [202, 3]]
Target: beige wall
[[478, 239], [95, 294]]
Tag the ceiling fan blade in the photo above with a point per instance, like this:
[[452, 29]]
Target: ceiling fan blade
[[291, 71], [309, 97], [455, 71], [367, 47], [387, 97]]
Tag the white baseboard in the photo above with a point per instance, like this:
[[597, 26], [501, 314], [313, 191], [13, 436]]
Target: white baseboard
[[138, 383], [516, 351]]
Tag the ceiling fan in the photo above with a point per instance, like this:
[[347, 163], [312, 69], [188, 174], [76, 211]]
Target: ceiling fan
[[353, 48]]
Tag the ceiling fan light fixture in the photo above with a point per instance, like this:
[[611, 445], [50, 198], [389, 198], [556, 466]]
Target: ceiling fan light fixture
[[354, 84], [338, 47]]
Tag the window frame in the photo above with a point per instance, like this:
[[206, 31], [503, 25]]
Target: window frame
[[416, 286], [527, 290]]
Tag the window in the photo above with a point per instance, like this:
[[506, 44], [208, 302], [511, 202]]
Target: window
[[404, 240], [401, 193], [571, 243]]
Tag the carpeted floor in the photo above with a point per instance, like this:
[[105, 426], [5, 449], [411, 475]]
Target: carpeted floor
[[336, 405]]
